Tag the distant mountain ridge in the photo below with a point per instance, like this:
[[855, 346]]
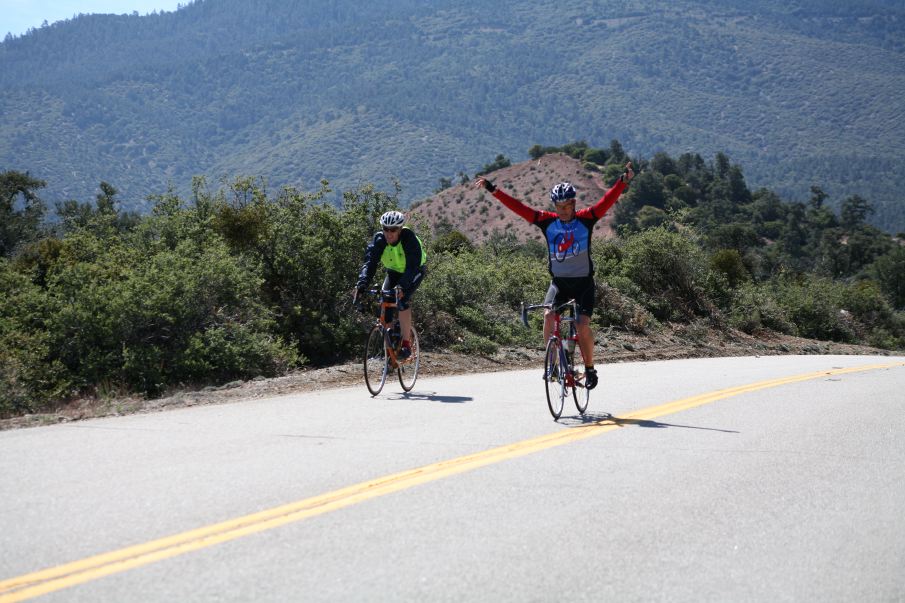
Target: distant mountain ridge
[[799, 93]]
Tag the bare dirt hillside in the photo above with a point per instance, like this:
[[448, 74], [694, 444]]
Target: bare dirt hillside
[[477, 215]]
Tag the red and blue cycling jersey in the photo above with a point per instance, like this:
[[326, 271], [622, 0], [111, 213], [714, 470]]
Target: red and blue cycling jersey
[[568, 243]]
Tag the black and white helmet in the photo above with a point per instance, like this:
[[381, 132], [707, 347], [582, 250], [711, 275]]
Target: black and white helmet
[[392, 219], [562, 192]]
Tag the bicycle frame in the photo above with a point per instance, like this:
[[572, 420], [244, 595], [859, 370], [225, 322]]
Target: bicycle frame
[[571, 339], [382, 349], [386, 320], [559, 372]]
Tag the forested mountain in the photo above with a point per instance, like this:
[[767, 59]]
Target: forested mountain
[[800, 92]]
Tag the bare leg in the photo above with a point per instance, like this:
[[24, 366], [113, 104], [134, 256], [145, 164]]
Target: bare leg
[[405, 324], [586, 339], [548, 326]]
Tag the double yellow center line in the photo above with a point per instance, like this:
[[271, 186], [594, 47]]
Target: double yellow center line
[[63, 576]]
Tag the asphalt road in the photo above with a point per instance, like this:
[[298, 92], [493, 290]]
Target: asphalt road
[[465, 489]]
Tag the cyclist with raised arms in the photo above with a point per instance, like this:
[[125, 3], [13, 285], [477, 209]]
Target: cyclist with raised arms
[[568, 235], [402, 254]]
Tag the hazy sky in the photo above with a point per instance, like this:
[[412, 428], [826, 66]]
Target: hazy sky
[[16, 16]]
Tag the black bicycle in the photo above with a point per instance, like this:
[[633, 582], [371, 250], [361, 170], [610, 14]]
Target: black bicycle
[[560, 376]]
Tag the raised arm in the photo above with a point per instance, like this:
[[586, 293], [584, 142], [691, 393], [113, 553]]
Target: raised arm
[[599, 209], [529, 214]]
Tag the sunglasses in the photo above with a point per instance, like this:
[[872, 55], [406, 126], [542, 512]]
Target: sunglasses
[[391, 229], [564, 203]]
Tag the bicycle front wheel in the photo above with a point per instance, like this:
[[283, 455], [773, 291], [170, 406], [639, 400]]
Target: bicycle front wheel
[[555, 378], [408, 370], [375, 361], [582, 395]]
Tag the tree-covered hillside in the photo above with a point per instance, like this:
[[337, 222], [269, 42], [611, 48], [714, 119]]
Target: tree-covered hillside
[[803, 93]]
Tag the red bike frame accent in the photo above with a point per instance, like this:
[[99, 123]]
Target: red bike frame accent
[[387, 324], [557, 331], [557, 322]]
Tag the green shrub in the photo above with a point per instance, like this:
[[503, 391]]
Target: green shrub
[[867, 304], [670, 272], [474, 344], [481, 292], [814, 305], [651, 217], [607, 255], [452, 241], [148, 320], [242, 227], [889, 271], [30, 379], [729, 263], [755, 307], [884, 338], [615, 308]]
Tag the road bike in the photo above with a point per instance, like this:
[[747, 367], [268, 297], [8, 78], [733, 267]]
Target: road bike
[[383, 345], [560, 376]]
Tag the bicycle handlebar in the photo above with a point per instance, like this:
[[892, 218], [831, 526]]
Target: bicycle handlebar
[[358, 303], [527, 307], [397, 291], [557, 309]]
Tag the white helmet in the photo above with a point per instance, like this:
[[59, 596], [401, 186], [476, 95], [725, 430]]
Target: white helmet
[[562, 192], [392, 219]]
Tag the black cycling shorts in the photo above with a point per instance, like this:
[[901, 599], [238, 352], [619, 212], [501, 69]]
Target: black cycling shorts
[[392, 279], [582, 289]]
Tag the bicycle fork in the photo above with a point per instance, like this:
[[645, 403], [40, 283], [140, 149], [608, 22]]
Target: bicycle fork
[[392, 361], [570, 379]]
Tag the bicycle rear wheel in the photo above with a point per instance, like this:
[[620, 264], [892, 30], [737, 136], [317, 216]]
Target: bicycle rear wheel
[[375, 361], [555, 378], [408, 370]]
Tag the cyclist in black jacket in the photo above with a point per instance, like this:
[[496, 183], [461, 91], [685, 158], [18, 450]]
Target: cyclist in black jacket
[[402, 254]]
